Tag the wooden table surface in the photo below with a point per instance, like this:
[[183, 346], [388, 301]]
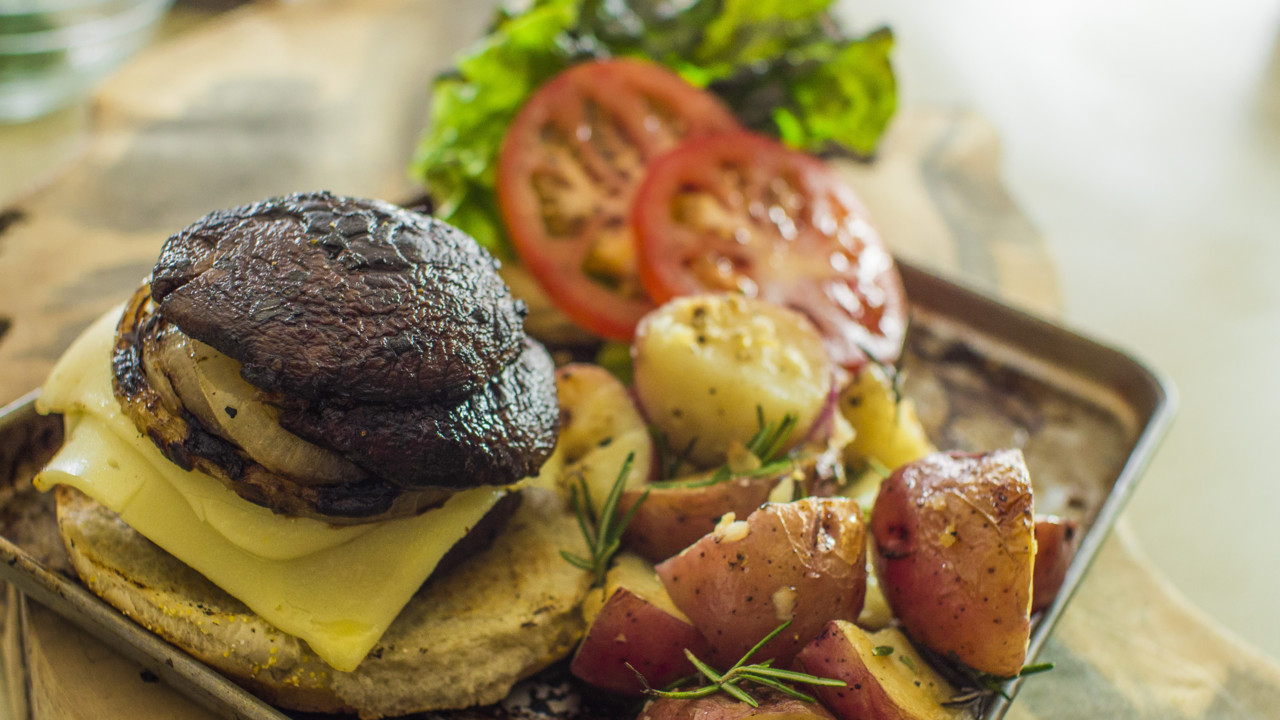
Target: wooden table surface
[[274, 98]]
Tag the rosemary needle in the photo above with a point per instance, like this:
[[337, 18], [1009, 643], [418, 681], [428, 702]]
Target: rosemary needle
[[767, 445], [762, 673], [602, 532]]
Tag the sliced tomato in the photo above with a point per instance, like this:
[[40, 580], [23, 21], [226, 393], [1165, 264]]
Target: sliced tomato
[[741, 213], [569, 167]]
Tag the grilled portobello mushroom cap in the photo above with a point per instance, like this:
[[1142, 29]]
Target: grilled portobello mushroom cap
[[510, 423], [336, 358], [321, 296]]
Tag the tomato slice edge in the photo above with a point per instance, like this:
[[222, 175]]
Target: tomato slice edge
[[598, 308], [664, 244]]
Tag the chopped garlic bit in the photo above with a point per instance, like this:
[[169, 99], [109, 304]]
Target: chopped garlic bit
[[785, 490], [741, 460], [948, 536], [784, 603], [732, 531], [724, 521]]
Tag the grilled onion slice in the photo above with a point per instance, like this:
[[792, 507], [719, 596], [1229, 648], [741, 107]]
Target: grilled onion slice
[[148, 387], [209, 385]]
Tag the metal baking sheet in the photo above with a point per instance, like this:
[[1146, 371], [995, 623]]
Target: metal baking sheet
[[983, 375]]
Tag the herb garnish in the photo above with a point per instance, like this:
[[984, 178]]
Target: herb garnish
[[762, 673], [670, 460], [770, 440], [767, 446], [603, 532], [873, 463], [892, 374], [995, 684]]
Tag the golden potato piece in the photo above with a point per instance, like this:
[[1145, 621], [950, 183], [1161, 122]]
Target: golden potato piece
[[708, 366], [886, 431], [599, 428], [884, 677]]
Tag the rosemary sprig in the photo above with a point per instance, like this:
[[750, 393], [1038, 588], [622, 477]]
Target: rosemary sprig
[[891, 373], [603, 532], [762, 673], [723, 474], [770, 439], [995, 684], [670, 461], [768, 445], [878, 467]]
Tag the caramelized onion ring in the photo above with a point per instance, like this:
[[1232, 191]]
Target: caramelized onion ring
[[209, 386], [150, 399]]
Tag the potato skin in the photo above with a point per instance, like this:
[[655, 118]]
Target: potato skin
[[630, 629], [803, 561], [773, 706], [1057, 540], [676, 516], [898, 685], [954, 548], [673, 518]]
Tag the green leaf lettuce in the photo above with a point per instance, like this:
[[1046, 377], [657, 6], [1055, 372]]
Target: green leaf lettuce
[[783, 66]]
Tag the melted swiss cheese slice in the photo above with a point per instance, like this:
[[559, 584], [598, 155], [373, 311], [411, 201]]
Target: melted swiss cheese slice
[[337, 588]]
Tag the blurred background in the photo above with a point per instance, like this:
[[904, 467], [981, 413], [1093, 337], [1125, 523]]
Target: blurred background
[[1143, 140]]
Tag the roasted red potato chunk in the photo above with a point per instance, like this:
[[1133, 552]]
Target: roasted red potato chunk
[[638, 626], [885, 679], [803, 562], [954, 551], [678, 514]]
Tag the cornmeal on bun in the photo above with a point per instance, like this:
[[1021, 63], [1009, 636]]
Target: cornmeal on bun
[[313, 405]]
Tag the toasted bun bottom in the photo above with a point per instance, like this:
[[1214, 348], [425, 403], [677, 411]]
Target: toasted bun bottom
[[464, 640]]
